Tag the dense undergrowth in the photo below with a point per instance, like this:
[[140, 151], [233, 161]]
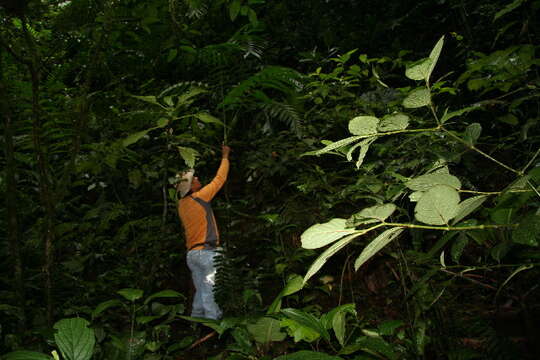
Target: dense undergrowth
[[383, 201]]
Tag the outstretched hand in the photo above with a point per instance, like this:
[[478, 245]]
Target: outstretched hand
[[225, 150]]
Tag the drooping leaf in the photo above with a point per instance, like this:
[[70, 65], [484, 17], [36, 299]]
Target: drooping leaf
[[294, 284], [164, 294], [307, 355], [377, 213], [437, 206], [207, 118], [104, 306], [189, 155], [332, 250], [458, 246], [336, 319], [334, 145], [427, 181], [133, 138], [266, 330], [528, 231], [450, 115], [434, 56], [364, 147], [376, 245], [131, 294], [472, 133], [26, 355], [307, 320], [320, 235], [417, 98], [74, 338], [363, 125], [419, 70], [394, 122], [467, 206]]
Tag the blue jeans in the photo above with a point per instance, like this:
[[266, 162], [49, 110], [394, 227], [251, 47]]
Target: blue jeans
[[203, 271]]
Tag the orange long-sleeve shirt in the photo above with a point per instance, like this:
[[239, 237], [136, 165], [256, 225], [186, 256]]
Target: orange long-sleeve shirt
[[197, 215]]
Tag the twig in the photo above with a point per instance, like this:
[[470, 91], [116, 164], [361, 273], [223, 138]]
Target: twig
[[201, 340]]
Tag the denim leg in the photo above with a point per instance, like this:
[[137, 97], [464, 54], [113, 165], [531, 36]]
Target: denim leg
[[201, 264], [197, 309]]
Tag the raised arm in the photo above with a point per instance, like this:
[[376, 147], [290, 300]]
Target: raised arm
[[208, 192]]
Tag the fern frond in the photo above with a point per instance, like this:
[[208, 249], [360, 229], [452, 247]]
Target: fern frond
[[285, 80], [285, 113]]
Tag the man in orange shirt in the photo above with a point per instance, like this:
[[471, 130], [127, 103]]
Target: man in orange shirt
[[202, 236]]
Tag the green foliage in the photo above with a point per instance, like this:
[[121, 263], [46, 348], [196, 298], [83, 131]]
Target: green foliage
[[74, 338]]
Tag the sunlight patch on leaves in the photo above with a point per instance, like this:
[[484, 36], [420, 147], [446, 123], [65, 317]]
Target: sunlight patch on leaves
[[467, 206], [427, 181], [377, 213], [419, 70], [334, 145], [189, 155], [434, 56]]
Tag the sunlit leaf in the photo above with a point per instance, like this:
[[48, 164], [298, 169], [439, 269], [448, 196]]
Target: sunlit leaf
[[332, 250], [133, 138], [417, 98], [467, 206], [334, 145], [364, 147], [427, 181], [307, 320], [207, 118], [376, 245], [363, 125], [320, 235], [74, 338], [394, 122], [434, 56], [294, 284], [419, 70], [377, 213], [437, 206], [189, 155], [164, 294]]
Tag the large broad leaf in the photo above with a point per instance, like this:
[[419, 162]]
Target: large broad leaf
[[307, 320], [528, 231], [294, 284], [307, 355], [321, 260], [437, 206], [74, 338], [434, 56], [376, 245], [25, 355], [394, 122], [266, 330], [320, 235], [417, 98], [467, 206], [426, 182], [189, 155], [373, 214], [334, 145], [363, 125], [298, 331], [131, 294], [164, 294], [419, 70]]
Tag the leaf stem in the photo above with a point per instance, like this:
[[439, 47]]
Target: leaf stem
[[472, 147], [493, 192], [449, 228], [531, 161]]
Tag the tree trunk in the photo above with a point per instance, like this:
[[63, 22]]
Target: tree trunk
[[11, 205], [44, 178]]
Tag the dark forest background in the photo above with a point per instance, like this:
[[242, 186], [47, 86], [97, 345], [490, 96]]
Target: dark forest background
[[364, 117]]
